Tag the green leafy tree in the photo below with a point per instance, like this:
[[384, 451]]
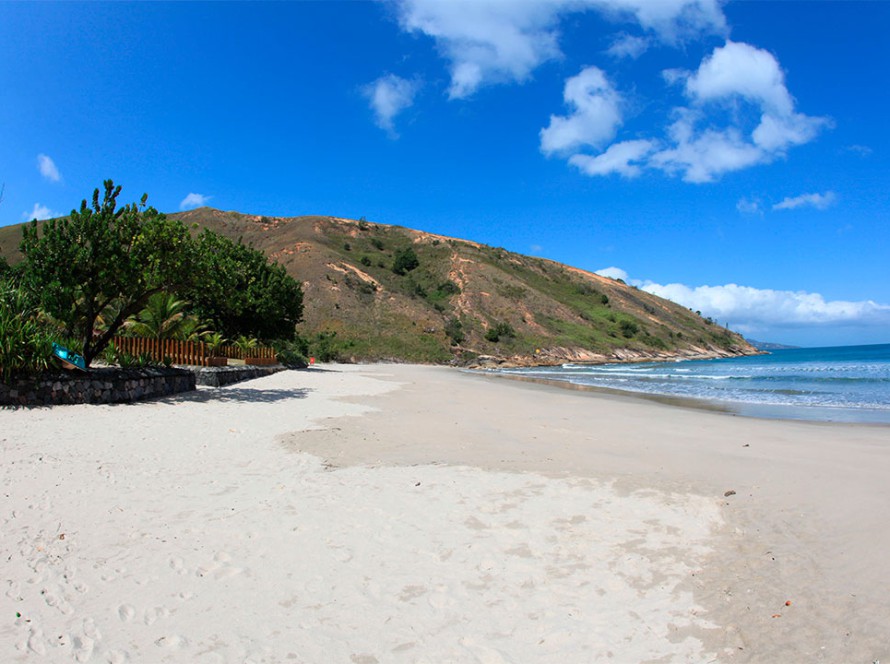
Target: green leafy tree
[[77, 266], [242, 293], [404, 261]]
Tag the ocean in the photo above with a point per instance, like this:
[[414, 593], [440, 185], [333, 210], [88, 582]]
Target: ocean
[[844, 383]]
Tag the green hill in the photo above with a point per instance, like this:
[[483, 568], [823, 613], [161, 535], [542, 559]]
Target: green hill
[[460, 301]]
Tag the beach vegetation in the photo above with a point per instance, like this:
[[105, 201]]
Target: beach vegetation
[[239, 292], [77, 265], [246, 344], [163, 317], [26, 338], [292, 353]]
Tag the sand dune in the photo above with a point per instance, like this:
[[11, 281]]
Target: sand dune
[[417, 514]]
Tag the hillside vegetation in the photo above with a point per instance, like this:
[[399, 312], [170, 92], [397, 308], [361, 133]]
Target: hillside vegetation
[[379, 292]]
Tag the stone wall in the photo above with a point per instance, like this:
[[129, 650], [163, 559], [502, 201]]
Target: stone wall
[[101, 385], [219, 376]]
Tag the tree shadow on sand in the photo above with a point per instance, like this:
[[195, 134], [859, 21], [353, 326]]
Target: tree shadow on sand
[[235, 395]]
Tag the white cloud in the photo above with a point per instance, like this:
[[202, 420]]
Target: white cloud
[[40, 212], [754, 307], [486, 41], [613, 273], [388, 96], [493, 41], [739, 69], [733, 73], [595, 116], [628, 46], [749, 206], [671, 20], [193, 201], [750, 309], [48, 168], [617, 159], [861, 150], [818, 201]]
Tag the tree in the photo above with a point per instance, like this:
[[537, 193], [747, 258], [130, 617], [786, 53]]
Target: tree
[[404, 261], [77, 266], [242, 293]]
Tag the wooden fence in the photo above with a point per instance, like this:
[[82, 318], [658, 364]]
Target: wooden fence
[[195, 353]]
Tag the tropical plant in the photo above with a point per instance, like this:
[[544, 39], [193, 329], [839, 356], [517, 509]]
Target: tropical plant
[[26, 343], [215, 341], [246, 344], [163, 317]]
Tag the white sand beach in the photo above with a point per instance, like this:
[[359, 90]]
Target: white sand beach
[[393, 513]]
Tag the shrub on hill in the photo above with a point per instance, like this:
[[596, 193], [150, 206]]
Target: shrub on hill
[[404, 261]]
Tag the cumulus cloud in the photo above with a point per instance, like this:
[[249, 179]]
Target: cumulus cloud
[[671, 20], [755, 307], [749, 309], [749, 206], [48, 168], [734, 73], [493, 41], [486, 41], [737, 111], [748, 82], [622, 158], [40, 212], [613, 273], [628, 46], [818, 201], [595, 115], [388, 96], [193, 201]]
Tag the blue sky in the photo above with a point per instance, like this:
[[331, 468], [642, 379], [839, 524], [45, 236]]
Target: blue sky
[[734, 157]]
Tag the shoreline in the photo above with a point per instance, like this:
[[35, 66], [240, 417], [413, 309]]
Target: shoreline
[[779, 412], [406, 513]]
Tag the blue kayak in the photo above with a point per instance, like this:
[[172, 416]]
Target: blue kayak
[[70, 359]]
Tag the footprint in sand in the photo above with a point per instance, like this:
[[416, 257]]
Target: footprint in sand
[[174, 642], [126, 612], [55, 602], [153, 615], [219, 568], [36, 641], [83, 648]]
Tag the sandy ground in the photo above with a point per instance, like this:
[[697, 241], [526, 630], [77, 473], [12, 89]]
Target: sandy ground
[[417, 514]]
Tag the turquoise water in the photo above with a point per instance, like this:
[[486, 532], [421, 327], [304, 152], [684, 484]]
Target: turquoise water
[[846, 383]]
